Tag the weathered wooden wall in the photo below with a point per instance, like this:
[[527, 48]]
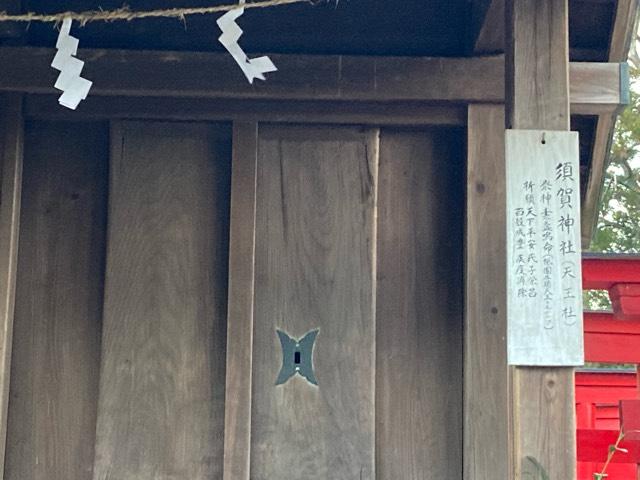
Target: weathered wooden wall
[[58, 314], [161, 405], [419, 305], [120, 341], [315, 269]]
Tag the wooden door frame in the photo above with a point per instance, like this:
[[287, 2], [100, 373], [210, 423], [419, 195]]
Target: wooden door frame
[[11, 144]]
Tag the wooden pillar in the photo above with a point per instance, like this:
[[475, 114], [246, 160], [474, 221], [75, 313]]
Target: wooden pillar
[[237, 440], [537, 97], [11, 135], [486, 392]]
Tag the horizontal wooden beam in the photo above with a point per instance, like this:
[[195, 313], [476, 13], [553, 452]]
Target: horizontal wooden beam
[[224, 109], [300, 77], [595, 86], [598, 88]]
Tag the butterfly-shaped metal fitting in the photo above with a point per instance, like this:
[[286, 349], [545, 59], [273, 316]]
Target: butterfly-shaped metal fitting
[[297, 357]]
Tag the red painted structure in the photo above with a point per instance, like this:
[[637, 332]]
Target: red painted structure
[[610, 337], [620, 275]]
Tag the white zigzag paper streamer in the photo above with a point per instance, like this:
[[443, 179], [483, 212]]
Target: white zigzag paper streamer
[[231, 33], [74, 87]]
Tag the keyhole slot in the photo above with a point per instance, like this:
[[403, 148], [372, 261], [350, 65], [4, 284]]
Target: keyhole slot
[[296, 358]]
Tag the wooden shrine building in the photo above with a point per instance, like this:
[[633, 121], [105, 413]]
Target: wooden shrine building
[[165, 247]]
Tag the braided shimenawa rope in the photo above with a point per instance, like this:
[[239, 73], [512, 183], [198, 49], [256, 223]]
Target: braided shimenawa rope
[[125, 13]]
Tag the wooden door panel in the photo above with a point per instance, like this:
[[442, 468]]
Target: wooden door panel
[[161, 406], [373, 265], [315, 269], [418, 306], [57, 323]]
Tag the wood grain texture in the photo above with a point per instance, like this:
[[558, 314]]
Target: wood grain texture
[[315, 263], [58, 314], [544, 421], [419, 305], [537, 75], [596, 88], [216, 109], [537, 64], [599, 161], [161, 406], [237, 431], [486, 382], [11, 143], [337, 78]]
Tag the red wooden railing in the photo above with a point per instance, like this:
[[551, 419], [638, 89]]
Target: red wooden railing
[[610, 337]]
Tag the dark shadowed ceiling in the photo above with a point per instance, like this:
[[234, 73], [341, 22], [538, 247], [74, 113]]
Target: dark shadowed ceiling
[[372, 27], [388, 27], [357, 27]]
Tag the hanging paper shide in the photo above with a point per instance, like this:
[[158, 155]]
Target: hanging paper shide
[[231, 33], [74, 87]]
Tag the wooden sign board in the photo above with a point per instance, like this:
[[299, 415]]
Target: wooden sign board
[[543, 249]]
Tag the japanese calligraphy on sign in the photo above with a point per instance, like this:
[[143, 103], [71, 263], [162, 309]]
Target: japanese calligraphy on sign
[[543, 248]]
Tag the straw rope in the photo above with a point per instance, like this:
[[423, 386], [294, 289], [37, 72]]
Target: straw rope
[[125, 13]]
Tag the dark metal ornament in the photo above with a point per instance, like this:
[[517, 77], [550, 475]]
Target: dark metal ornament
[[297, 357]]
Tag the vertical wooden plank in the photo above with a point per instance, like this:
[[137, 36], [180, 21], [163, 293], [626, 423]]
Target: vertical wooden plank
[[237, 431], [537, 97], [419, 306], [623, 32], [599, 155], [161, 406], [537, 64], [486, 385], [11, 138], [315, 260], [58, 315]]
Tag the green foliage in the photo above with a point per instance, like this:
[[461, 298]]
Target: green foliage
[[618, 227]]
